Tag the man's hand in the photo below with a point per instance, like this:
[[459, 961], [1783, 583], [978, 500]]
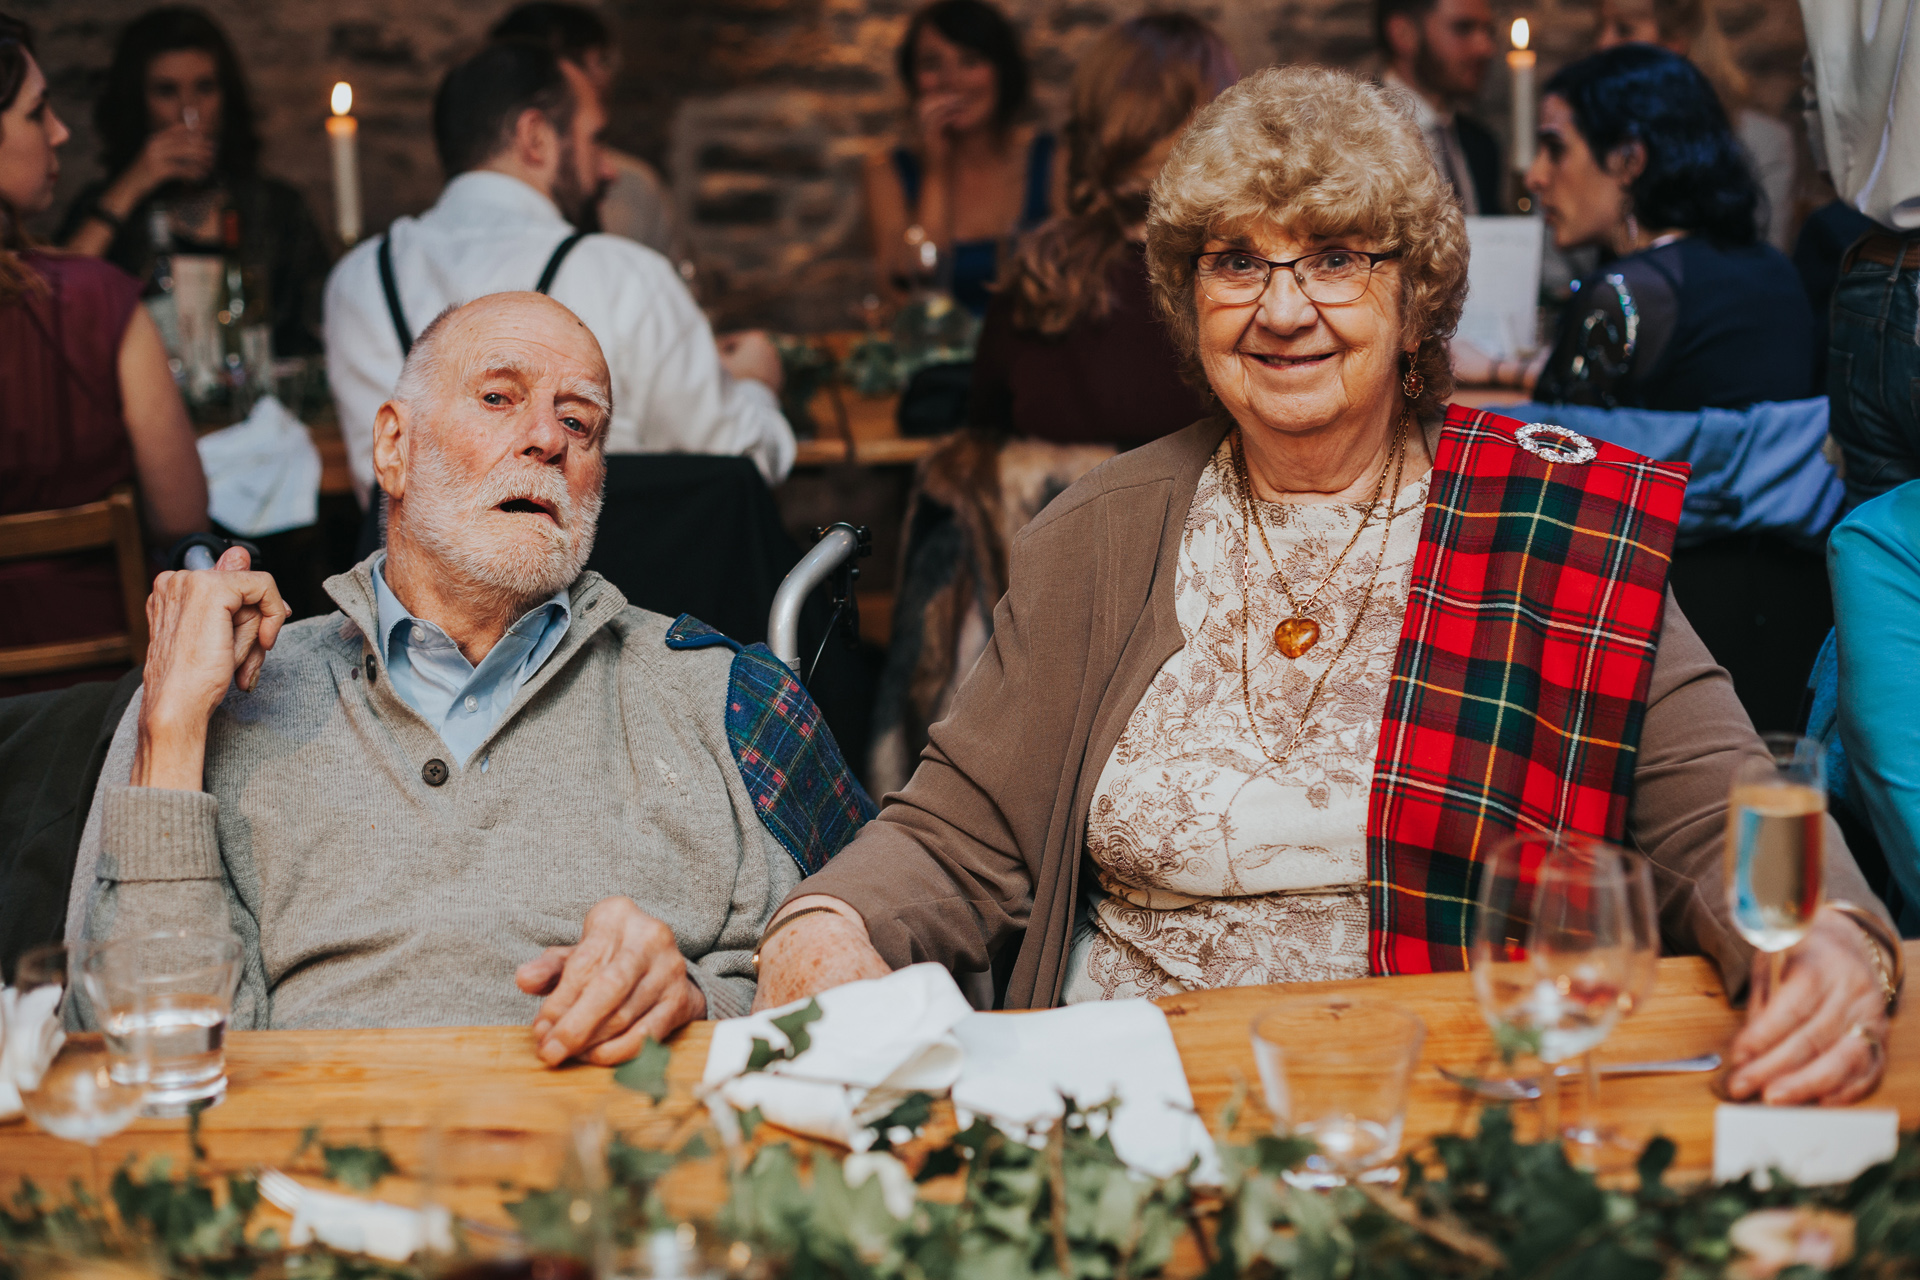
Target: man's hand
[[825, 949], [208, 628], [1821, 1038], [623, 981], [751, 354]]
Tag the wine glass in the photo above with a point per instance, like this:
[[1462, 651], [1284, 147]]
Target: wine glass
[[1552, 951], [1642, 942], [87, 1092], [1776, 846]]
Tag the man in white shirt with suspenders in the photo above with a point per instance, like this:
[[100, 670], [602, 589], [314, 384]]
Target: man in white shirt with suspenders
[[519, 130]]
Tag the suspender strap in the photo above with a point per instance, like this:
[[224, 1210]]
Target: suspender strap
[[553, 263], [392, 291]]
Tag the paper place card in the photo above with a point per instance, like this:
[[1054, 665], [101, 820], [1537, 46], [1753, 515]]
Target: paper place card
[[1811, 1145], [1503, 286]]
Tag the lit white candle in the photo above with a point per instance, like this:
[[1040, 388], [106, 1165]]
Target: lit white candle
[[1525, 110], [343, 130]]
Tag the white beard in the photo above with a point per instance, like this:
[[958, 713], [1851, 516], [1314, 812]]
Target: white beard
[[452, 520]]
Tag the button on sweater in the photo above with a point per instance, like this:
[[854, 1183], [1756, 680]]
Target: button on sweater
[[365, 893]]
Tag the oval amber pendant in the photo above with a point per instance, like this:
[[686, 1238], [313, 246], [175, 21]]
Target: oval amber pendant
[[1296, 635]]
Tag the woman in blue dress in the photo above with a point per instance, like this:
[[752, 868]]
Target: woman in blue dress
[[944, 209]]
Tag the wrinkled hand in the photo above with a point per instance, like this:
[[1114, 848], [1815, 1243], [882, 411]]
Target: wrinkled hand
[[207, 628], [623, 981], [1800, 1046], [751, 354], [820, 951]]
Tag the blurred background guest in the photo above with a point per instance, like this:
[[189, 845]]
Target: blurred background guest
[[973, 175], [637, 203], [1689, 310], [1691, 29], [178, 143], [1637, 159], [89, 404], [1438, 51], [518, 134], [1071, 350]]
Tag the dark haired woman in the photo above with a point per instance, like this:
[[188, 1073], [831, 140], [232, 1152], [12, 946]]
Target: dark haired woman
[[178, 142], [975, 176], [1688, 310], [89, 404], [1071, 351]]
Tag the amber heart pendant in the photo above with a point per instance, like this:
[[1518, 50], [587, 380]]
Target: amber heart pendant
[[1296, 635]]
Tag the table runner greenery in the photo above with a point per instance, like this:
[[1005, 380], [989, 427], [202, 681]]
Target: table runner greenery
[[1484, 1206]]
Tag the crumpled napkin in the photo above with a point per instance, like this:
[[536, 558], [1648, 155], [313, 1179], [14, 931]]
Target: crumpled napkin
[[32, 1034], [263, 473], [372, 1227], [914, 1030], [874, 1042]]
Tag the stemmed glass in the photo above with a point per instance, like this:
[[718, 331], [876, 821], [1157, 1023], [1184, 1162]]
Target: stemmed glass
[[87, 1092], [1776, 846], [1553, 949], [1643, 920]]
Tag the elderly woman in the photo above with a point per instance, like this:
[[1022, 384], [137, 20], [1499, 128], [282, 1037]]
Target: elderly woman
[[1262, 694]]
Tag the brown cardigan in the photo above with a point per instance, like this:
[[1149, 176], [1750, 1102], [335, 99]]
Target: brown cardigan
[[976, 863]]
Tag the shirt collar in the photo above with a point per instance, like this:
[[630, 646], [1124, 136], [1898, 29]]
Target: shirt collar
[[1425, 114], [537, 623], [484, 197]]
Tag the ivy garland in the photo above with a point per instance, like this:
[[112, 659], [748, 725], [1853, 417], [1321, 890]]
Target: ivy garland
[[1491, 1208]]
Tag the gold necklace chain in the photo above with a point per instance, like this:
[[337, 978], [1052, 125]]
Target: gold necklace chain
[[1244, 473], [1398, 459]]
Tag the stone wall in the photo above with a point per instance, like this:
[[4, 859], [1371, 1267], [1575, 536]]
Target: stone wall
[[761, 110]]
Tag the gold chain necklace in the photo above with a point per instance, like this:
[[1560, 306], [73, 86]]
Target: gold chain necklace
[[1298, 633], [1398, 460]]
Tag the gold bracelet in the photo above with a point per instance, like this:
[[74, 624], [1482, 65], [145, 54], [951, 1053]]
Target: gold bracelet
[[780, 924], [1889, 962]]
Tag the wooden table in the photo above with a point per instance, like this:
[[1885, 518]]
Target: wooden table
[[405, 1081]]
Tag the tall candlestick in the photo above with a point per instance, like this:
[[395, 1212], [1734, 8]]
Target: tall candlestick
[[1525, 111], [343, 130]]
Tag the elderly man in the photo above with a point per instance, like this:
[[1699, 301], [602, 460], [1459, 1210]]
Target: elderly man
[[487, 778]]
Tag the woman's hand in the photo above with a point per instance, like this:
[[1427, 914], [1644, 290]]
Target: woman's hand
[[935, 113], [1821, 1038], [825, 949], [175, 153]]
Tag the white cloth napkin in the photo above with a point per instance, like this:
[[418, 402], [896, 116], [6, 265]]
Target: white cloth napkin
[[263, 473], [1017, 1066], [372, 1227], [30, 1036], [874, 1041], [914, 1030]]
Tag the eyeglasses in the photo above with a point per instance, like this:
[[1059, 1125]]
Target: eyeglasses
[[1233, 277]]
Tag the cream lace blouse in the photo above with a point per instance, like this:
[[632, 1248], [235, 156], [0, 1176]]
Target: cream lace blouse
[[1213, 867]]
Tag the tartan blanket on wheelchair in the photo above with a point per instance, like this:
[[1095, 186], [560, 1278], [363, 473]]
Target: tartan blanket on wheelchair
[[792, 767], [1520, 683]]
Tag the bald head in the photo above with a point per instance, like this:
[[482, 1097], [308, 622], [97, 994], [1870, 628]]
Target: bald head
[[528, 331]]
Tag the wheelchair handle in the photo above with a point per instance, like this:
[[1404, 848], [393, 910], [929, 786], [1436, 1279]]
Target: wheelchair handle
[[838, 544]]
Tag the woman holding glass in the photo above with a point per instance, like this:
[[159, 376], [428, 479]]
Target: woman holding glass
[[1263, 694], [973, 175]]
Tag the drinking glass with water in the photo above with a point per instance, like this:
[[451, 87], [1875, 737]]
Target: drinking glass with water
[[1776, 846], [1336, 1069], [169, 994]]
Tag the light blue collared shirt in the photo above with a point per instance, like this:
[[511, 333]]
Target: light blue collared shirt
[[461, 701]]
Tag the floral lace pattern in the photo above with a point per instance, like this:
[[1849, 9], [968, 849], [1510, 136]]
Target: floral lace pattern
[[1212, 865]]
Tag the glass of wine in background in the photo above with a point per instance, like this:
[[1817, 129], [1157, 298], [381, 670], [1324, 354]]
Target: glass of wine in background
[[1776, 846]]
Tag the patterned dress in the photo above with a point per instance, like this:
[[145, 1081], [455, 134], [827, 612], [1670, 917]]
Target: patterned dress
[[1214, 867]]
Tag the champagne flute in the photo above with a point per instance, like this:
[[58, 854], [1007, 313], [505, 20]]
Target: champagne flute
[[1552, 951], [1776, 846]]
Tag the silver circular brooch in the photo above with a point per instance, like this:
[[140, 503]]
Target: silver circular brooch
[[1555, 443]]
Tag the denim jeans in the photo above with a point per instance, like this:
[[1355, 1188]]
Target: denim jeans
[[1873, 375]]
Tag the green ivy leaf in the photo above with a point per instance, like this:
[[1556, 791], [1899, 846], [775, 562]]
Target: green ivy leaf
[[646, 1071], [794, 1027], [358, 1167]]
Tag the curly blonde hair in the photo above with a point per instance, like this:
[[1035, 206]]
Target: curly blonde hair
[[1323, 154]]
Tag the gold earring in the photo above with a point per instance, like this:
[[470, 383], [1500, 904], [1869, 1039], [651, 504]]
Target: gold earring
[[1412, 384]]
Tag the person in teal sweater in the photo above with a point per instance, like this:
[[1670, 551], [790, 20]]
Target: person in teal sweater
[[1873, 557]]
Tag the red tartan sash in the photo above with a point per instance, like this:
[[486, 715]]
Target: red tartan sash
[[1520, 683]]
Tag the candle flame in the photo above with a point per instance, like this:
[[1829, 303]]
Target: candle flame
[[342, 98], [1521, 33]]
